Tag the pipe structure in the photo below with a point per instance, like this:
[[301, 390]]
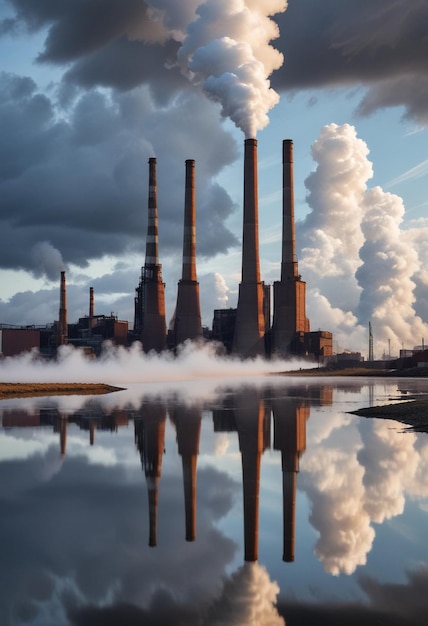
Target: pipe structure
[[186, 323], [62, 335], [152, 288], [289, 310], [250, 323]]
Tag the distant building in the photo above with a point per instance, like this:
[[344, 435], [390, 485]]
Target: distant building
[[15, 340]]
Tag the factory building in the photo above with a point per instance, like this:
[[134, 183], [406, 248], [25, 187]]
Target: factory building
[[245, 331]]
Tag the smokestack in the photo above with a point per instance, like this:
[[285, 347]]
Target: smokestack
[[250, 324], [289, 311], [289, 267], [91, 302], [62, 318], [153, 320], [187, 322]]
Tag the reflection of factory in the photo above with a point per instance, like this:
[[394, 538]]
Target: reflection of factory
[[247, 412], [246, 330]]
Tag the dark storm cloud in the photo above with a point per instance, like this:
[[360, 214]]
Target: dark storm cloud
[[379, 44], [80, 182]]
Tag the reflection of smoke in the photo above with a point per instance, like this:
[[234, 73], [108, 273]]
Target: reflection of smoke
[[350, 489], [248, 598], [351, 230], [47, 260], [227, 50], [336, 491]]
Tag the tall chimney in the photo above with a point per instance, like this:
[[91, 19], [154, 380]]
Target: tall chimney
[[153, 320], [62, 318], [91, 302], [187, 322], [289, 310], [250, 324]]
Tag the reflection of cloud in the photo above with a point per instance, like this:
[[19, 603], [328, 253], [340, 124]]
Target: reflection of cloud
[[86, 530], [353, 487], [390, 461], [393, 604], [248, 597]]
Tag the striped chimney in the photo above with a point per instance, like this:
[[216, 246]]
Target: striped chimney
[[62, 318], [152, 254], [189, 237]]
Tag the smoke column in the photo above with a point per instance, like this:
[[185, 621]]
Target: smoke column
[[353, 247], [227, 52]]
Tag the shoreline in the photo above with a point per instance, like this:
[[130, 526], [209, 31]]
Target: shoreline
[[28, 390]]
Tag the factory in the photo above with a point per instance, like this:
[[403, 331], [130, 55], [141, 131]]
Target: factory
[[247, 331]]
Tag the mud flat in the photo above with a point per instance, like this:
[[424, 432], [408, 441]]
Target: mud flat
[[25, 390], [414, 413]]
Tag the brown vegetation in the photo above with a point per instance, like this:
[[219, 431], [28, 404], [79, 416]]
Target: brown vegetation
[[22, 390]]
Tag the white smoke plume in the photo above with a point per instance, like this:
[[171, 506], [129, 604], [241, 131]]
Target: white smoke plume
[[365, 266], [248, 598], [47, 260], [118, 365], [227, 51]]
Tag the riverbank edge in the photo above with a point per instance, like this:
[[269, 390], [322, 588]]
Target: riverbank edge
[[27, 390]]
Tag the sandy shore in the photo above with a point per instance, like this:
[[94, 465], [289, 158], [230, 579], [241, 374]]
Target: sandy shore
[[25, 390]]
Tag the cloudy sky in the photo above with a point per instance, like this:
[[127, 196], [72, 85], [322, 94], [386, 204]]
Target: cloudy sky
[[91, 89]]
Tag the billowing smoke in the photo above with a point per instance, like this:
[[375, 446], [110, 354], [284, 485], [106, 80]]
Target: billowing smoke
[[248, 598], [353, 248], [227, 51], [47, 260]]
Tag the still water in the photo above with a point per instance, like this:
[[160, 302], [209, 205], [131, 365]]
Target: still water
[[214, 503]]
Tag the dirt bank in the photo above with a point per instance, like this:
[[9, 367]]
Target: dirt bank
[[414, 413], [24, 390]]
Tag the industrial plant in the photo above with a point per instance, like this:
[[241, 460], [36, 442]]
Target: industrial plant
[[246, 331]]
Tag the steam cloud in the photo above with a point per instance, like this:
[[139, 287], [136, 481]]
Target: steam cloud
[[365, 265], [227, 51], [47, 260]]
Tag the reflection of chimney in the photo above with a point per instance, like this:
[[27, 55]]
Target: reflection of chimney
[[150, 441], [289, 312], [250, 324], [62, 321], [290, 437], [187, 422], [249, 418], [187, 317], [62, 427], [153, 334]]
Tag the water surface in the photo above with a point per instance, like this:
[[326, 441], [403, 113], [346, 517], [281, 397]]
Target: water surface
[[261, 502]]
